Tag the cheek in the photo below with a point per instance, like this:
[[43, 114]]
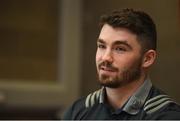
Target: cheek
[[98, 56], [125, 63], [136, 62], [97, 59]]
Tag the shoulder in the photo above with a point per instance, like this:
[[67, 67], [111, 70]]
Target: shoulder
[[93, 98], [161, 106], [74, 109], [80, 107]]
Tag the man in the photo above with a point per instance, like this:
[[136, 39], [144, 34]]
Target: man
[[126, 49]]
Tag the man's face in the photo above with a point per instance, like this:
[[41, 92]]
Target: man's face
[[118, 57]]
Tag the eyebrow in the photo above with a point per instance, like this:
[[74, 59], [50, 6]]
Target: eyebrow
[[101, 41], [117, 42]]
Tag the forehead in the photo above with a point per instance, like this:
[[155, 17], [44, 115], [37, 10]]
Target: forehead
[[111, 35]]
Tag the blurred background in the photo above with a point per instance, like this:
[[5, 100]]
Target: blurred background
[[47, 52]]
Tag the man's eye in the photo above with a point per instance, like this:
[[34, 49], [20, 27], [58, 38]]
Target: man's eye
[[120, 49], [101, 46]]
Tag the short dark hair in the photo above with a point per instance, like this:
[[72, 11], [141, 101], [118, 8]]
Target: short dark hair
[[138, 22]]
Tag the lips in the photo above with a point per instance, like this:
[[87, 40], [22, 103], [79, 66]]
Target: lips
[[107, 69]]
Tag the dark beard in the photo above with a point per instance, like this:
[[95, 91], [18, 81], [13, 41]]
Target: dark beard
[[129, 75]]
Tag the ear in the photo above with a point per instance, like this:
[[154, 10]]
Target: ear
[[149, 58]]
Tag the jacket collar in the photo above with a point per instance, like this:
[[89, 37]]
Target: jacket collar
[[136, 101]]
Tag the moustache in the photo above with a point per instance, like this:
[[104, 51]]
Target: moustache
[[108, 65]]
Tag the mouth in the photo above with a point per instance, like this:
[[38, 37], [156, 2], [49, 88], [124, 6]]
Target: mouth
[[107, 71]]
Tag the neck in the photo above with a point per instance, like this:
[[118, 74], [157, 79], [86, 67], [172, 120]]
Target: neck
[[118, 96]]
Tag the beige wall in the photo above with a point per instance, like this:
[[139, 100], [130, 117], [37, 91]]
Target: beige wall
[[165, 74], [40, 31]]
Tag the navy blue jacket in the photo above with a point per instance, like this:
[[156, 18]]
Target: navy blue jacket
[[148, 103]]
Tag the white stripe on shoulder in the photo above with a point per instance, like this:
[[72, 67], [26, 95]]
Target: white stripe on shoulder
[[98, 94], [92, 98], [87, 102], [159, 106], [155, 98], [156, 103]]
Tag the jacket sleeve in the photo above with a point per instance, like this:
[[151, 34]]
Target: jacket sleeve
[[170, 115], [75, 110], [68, 114], [172, 112]]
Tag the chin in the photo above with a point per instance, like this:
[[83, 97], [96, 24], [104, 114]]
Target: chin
[[110, 82], [110, 85]]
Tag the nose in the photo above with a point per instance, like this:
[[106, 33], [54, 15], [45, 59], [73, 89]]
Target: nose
[[107, 56]]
